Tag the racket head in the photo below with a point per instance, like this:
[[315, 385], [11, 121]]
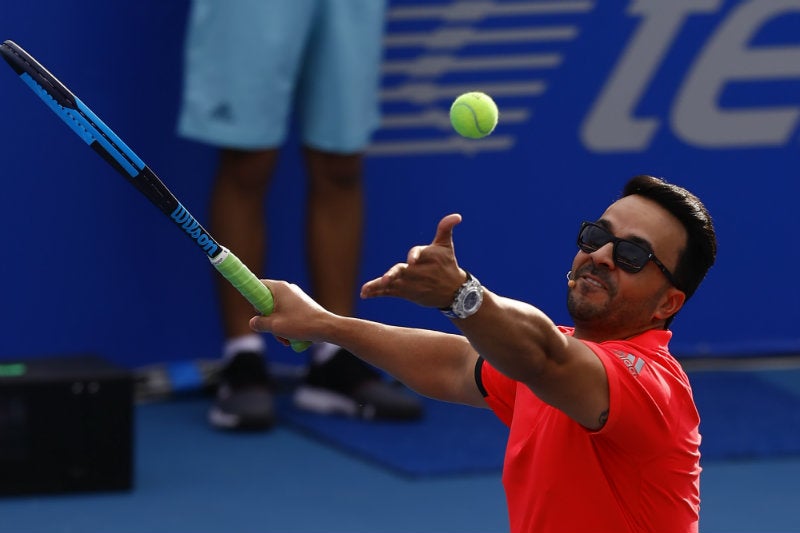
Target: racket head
[[24, 63]]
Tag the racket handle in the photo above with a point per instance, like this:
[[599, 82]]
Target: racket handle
[[232, 268]]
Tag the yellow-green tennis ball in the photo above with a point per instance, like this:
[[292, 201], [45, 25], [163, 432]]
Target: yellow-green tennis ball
[[474, 115]]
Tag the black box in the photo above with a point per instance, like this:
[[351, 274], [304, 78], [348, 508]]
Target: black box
[[66, 425]]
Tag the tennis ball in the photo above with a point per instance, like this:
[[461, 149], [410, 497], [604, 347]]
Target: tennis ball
[[473, 115]]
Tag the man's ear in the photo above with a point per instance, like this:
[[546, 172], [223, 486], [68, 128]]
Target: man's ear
[[671, 302]]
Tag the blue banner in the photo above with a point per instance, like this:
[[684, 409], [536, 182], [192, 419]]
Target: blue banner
[[705, 93]]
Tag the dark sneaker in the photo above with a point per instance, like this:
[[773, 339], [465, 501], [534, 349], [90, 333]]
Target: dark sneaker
[[244, 395], [345, 385]]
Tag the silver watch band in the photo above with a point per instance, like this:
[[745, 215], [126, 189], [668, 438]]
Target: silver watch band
[[467, 299]]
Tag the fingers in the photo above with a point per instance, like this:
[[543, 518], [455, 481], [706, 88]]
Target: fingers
[[444, 231], [443, 237], [414, 279], [285, 296], [382, 286], [395, 282], [413, 254], [295, 315], [259, 323]]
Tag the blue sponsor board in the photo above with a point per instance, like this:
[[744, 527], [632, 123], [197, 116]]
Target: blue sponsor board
[[705, 93]]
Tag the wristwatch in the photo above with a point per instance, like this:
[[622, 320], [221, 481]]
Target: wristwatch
[[467, 300]]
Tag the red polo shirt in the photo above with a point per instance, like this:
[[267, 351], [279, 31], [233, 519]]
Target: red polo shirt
[[640, 472]]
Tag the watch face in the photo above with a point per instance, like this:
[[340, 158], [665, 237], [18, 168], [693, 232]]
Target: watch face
[[468, 300], [471, 300]]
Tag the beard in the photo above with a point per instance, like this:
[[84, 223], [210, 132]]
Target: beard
[[610, 314], [583, 311]]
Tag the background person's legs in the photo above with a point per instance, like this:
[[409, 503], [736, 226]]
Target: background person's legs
[[338, 382], [238, 200], [238, 219], [335, 221]]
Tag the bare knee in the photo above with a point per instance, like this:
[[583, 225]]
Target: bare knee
[[331, 170], [247, 170]]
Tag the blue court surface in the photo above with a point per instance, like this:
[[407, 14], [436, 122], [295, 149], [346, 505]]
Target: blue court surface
[[347, 476]]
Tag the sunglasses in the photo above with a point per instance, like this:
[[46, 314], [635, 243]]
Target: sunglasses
[[628, 255]]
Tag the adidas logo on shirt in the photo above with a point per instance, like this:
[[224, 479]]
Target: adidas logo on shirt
[[634, 364]]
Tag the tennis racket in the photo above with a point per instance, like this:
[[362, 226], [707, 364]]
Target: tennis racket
[[105, 142]]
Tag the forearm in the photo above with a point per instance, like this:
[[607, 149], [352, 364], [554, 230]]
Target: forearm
[[516, 338], [434, 364]]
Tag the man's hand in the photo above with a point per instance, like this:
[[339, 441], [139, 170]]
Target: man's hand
[[431, 276], [296, 315]]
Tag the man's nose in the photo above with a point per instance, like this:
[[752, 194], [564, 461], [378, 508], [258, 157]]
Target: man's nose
[[604, 255]]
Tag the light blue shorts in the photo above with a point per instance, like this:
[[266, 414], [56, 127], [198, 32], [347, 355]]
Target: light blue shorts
[[251, 64]]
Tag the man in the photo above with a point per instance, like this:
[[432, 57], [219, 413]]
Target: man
[[251, 67], [603, 428]]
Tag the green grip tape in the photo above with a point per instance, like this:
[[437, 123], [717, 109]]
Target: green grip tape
[[250, 286]]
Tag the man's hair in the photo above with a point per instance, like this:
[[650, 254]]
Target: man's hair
[[701, 245]]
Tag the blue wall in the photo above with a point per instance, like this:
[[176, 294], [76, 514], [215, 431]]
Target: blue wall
[[585, 103]]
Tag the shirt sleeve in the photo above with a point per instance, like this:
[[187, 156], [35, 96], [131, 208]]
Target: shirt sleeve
[[640, 393], [498, 390]]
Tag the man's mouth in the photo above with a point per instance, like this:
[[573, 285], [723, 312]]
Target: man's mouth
[[593, 282]]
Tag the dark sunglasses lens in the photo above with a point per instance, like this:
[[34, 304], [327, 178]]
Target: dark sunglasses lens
[[593, 238], [631, 257]]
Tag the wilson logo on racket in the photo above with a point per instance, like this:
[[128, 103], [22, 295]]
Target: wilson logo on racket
[[194, 230]]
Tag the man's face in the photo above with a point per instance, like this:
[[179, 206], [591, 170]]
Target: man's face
[[610, 300]]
